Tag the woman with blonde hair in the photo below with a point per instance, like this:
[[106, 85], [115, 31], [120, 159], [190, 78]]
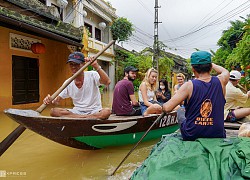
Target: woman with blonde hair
[[147, 96], [180, 80]]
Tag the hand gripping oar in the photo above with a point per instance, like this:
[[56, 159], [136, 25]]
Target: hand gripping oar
[[242, 88], [10, 139], [161, 116]]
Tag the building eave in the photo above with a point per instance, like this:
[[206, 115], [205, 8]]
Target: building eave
[[30, 5], [22, 26], [100, 11], [61, 31]]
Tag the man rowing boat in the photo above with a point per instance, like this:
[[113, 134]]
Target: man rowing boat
[[84, 91]]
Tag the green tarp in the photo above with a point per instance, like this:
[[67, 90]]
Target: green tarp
[[205, 159]]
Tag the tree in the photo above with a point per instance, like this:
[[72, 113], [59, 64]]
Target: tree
[[121, 29], [124, 58], [164, 62], [234, 51], [228, 42], [241, 53]]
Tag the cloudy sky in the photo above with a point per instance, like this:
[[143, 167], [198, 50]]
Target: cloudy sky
[[186, 24]]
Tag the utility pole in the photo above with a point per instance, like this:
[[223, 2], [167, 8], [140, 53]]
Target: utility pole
[[156, 37]]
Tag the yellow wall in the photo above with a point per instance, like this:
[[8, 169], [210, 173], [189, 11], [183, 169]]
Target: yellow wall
[[53, 70]]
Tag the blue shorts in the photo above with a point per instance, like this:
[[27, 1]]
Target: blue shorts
[[144, 107]]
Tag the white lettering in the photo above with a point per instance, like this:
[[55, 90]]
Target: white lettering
[[163, 120], [168, 120]]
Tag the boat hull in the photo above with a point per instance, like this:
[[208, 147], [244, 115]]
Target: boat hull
[[94, 133], [123, 139]]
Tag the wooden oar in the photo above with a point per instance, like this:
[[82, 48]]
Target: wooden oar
[[161, 116], [10, 139], [242, 88]]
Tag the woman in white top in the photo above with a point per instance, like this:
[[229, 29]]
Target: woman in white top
[[147, 96]]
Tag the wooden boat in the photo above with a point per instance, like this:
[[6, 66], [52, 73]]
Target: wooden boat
[[236, 125], [229, 125], [94, 133]]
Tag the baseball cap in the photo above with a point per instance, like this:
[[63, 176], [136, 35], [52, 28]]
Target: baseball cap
[[201, 57], [235, 75], [76, 57], [130, 68]]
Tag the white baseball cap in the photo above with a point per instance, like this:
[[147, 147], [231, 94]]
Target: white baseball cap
[[235, 75]]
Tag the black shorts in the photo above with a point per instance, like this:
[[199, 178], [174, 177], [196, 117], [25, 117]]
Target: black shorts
[[136, 111], [231, 116]]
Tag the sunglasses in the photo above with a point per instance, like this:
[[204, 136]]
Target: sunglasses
[[73, 64]]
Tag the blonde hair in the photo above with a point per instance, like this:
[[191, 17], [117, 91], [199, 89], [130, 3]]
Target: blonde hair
[[180, 75], [149, 86]]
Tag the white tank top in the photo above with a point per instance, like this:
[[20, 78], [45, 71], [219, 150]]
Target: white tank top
[[150, 95]]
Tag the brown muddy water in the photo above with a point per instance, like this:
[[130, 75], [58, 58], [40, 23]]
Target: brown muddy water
[[35, 157]]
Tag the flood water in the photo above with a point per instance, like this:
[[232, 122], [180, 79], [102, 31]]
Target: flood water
[[35, 157]]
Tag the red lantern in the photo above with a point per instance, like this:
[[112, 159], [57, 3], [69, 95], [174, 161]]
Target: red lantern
[[38, 48]]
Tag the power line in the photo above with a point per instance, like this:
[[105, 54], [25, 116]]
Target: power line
[[137, 29], [145, 7], [138, 39], [215, 22], [143, 32], [210, 16], [72, 9]]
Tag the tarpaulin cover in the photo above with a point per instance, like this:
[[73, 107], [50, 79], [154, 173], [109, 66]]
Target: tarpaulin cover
[[205, 159]]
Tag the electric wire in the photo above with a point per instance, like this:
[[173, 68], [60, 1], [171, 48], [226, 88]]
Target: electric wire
[[215, 22]]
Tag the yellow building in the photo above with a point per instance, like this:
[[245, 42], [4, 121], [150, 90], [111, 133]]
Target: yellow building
[[25, 76], [36, 37]]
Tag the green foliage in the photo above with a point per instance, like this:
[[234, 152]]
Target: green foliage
[[234, 46], [136, 83], [165, 65], [220, 56], [212, 52], [230, 36], [121, 29], [144, 63], [90, 68], [240, 54], [124, 58], [228, 42], [88, 33], [101, 88], [189, 67], [109, 3], [246, 80], [162, 46]]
